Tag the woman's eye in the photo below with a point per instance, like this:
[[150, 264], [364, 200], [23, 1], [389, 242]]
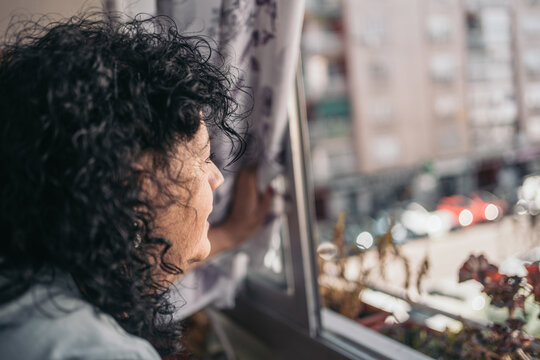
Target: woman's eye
[[211, 158]]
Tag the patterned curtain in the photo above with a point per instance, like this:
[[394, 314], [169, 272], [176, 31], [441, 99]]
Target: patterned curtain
[[260, 38]]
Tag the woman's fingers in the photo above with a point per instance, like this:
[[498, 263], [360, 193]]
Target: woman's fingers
[[249, 209]]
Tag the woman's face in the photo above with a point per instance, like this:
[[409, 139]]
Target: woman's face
[[184, 222]]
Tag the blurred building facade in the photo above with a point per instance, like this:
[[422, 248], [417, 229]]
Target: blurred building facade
[[405, 62], [527, 45], [399, 92], [490, 76]]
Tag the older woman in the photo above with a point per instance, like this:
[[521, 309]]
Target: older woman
[[107, 185]]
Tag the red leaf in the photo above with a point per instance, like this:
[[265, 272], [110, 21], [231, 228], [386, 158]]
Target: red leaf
[[478, 268], [533, 278]]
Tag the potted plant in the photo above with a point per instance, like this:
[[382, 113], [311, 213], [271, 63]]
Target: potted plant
[[504, 341]]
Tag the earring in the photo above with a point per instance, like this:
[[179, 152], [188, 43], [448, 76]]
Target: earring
[[138, 237]]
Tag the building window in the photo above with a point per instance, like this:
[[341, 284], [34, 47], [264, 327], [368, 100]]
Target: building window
[[438, 28], [386, 150], [531, 26], [381, 112], [532, 97], [450, 139], [533, 128], [494, 136], [342, 160], [373, 32], [445, 107], [531, 61], [495, 26], [443, 69], [316, 68], [443, 2], [378, 71]]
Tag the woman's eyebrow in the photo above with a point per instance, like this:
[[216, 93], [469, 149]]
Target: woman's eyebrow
[[206, 145]]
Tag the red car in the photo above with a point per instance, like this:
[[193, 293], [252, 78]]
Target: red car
[[480, 207]]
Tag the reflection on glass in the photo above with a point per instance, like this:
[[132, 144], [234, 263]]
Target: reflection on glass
[[268, 249], [425, 156]]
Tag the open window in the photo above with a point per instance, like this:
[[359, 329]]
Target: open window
[[406, 154], [386, 214]]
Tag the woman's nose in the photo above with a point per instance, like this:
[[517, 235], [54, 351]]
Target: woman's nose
[[216, 178]]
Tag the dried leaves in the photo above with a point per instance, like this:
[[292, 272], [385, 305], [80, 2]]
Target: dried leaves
[[343, 295], [386, 248], [422, 273], [338, 293]]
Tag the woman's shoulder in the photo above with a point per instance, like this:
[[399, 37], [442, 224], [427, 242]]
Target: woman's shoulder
[[54, 322]]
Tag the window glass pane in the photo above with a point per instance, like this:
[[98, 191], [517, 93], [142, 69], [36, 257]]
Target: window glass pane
[[424, 127], [268, 260]]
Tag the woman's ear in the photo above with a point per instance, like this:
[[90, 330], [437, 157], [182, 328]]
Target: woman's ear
[[144, 170], [145, 162]]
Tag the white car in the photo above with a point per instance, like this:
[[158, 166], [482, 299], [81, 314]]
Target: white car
[[421, 222], [529, 196]]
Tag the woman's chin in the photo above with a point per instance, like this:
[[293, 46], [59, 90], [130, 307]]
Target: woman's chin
[[202, 253]]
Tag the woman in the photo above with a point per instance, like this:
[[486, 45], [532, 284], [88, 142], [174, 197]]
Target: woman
[[107, 185]]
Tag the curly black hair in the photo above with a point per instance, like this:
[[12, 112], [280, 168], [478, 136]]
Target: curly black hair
[[80, 101]]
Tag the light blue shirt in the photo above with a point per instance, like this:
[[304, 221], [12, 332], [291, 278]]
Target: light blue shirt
[[54, 322]]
